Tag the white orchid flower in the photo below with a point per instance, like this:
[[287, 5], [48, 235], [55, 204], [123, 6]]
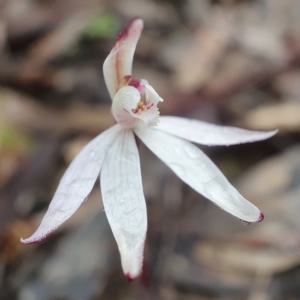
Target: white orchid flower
[[115, 153]]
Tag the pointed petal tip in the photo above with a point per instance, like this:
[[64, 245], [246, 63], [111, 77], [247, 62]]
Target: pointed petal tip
[[135, 26], [137, 23], [35, 238], [263, 135], [27, 241], [261, 217], [270, 134], [128, 277]]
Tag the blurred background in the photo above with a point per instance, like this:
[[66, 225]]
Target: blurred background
[[233, 62]]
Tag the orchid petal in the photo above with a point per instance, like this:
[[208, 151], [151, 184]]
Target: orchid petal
[[119, 61], [124, 202], [152, 95], [198, 171], [75, 185], [210, 134]]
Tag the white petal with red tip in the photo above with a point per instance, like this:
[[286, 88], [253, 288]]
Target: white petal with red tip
[[76, 184], [124, 202], [119, 61], [198, 171], [210, 134]]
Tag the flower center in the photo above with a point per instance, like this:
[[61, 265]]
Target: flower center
[[135, 104], [141, 106]]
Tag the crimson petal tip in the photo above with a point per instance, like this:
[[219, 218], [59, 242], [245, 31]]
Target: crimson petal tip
[[27, 242], [32, 240], [261, 217], [129, 277], [135, 24]]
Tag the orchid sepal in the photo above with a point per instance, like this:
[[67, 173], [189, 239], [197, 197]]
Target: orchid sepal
[[119, 61]]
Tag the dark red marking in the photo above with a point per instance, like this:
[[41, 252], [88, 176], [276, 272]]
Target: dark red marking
[[132, 81], [40, 239], [135, 82], [149, 105], [261, 217], [124, 33], [128, 277]]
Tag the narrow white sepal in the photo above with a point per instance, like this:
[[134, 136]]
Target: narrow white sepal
[[119, 61], [198, 171], [124, 202], [210, 134], [76, 184]]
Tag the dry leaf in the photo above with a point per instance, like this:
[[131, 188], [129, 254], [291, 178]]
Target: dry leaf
[[282, 116]]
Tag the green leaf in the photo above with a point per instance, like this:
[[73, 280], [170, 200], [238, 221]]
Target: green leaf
[[105, 25]]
